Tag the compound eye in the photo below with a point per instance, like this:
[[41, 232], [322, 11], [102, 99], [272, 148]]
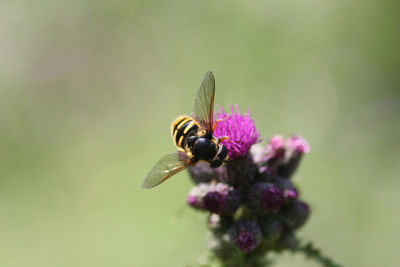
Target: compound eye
[[191, 141], [222, 152]]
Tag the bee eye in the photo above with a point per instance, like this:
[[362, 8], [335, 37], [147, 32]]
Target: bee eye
[[222, 152], [191, 140]]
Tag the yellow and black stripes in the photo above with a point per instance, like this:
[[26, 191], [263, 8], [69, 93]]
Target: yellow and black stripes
[[181, 128]]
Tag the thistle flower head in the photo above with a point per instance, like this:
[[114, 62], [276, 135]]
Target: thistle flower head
[[265, 197], [214, 202], [241, 172], [280, 157], [272, 198], [239, 128], [298, 143], [272, 155], [290, 192], [276, 143], [216, 198], [296, 146], [245, 234], [195, 196], [202, 173], [296, 214]]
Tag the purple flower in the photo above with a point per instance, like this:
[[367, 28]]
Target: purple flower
[[216, 198], [289, 190], [195, 196], [245, 234], [239, 128], [290, 194], [272, 199], [265, 197], [298, 143], [214, 202], [276, 143], [272, 155], [296, 146], [280, 157], [221, 202], [191, 200]]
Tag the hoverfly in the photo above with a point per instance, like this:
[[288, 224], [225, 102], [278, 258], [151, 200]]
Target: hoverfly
[[193, 137]]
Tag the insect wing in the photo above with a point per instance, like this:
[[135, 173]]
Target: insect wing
[[203, 105], [167, 166]]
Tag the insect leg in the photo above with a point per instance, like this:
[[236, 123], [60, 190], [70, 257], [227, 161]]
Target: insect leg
[[215, 124], [223, 138]]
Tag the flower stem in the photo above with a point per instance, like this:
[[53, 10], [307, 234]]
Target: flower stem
[[313, 253]]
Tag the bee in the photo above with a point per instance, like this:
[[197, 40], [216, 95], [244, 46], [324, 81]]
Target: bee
[[193, 137]]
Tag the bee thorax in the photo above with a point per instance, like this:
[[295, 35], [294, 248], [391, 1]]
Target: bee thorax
[[204, 149]]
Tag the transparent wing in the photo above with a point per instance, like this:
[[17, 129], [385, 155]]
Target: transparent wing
[[167, 166], [203, 105]]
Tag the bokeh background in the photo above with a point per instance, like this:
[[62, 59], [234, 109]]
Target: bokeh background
[[88, 90]]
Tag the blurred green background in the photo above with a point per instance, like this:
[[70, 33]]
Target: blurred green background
[[88, 90]]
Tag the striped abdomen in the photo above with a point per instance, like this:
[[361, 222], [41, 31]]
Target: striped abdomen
[[183, 127]]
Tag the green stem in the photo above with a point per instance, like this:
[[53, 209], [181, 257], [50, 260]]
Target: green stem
[[313, 253]]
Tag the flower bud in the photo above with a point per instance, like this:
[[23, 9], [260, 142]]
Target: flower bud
[[245, 234], [296, 214], [272, 155], [271, 228], [298, 144], [265, 197], [214, 202], [296, 147], [290, 192], [257, 153], [202, 173], [196, 194], [233, 201], [217, 198], [241, 172]]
